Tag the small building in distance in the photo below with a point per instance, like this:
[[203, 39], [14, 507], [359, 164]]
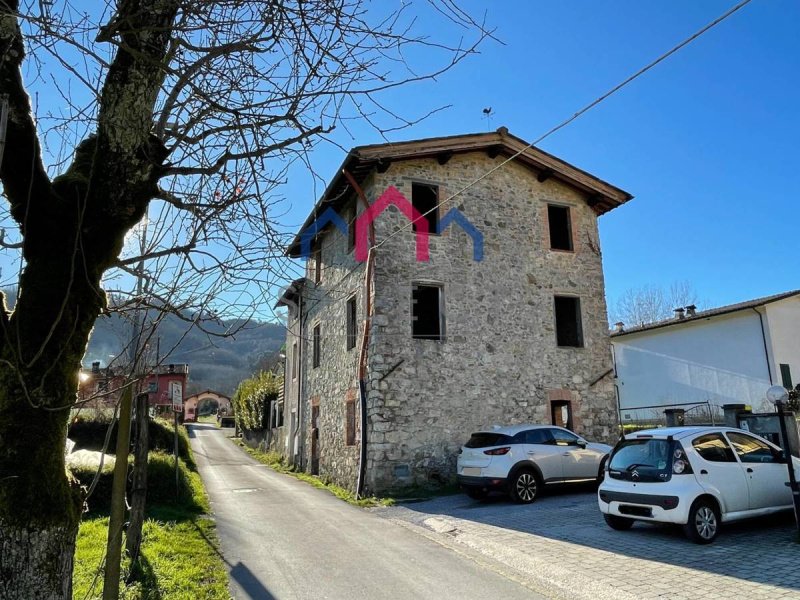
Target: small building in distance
[[219, 404], [99, 388]]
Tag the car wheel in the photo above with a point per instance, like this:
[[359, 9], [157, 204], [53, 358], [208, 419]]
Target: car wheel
[[618, 523], [524, 487], [703, 524], [477, 493]]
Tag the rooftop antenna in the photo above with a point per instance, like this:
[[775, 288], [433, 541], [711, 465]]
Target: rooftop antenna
[[487, 114]]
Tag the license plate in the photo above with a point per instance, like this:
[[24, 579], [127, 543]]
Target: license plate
[[474, 471]]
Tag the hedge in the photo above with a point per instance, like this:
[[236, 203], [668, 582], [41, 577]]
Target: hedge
[[252, 397], [161, 487], [89, 433]]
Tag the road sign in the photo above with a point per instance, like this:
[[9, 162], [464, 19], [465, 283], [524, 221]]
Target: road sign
[[176, 393]]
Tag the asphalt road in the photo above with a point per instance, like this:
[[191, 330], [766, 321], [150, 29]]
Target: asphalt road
[[282, 538]]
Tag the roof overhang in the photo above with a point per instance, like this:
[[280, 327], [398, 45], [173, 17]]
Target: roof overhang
[[361, 161], [291, 293], [707, 314]]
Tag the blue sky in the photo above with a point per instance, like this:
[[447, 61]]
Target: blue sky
[[706, 141]]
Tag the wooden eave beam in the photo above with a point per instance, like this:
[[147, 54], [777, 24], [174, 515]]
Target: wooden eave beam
[[494, 151], [444, 157], [383, 165]]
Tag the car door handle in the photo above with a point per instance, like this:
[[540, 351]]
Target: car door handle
[[703, 472], [531, 452], [567, 454], [749, 470]]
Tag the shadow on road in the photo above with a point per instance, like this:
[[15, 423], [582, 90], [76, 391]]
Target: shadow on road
[[763, 550]]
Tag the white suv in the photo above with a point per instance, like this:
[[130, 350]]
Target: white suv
[[521, 459], [697, 477]]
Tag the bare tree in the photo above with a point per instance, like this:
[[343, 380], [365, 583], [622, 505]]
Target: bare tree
[[651, 303], [185, 115]]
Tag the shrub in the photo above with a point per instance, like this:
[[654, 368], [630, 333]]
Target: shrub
[[161, 487], [252, 398], [89, 433]]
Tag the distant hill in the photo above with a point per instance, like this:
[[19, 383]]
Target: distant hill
[[217, 363]]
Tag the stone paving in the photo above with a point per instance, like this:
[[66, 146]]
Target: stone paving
[[562, 547]]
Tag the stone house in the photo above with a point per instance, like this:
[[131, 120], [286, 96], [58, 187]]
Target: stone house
[[500, 327]]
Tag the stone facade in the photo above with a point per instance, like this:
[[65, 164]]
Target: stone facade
[[498, 361]]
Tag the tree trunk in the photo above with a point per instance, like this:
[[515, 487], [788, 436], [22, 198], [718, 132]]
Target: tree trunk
[[33, 561]]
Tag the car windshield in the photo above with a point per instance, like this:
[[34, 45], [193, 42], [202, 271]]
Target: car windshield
[[641, 460], [484, 439]]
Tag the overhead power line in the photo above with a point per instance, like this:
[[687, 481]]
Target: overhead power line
[[551, 131], [585, 109]]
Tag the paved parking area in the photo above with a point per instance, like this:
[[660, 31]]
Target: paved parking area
[[561, 546]]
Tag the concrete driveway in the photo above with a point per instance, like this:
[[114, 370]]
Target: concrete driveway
[[561, 545], [282, 538]]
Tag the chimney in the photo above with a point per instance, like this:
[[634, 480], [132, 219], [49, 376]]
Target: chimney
[[96, 366], [619, 327], [680, 313], [691, 310]]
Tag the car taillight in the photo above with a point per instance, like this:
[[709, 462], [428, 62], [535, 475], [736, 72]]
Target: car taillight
[[497, 451], [680, 463]]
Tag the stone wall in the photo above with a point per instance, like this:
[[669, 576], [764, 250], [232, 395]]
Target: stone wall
[[499, 362], [329, 387]]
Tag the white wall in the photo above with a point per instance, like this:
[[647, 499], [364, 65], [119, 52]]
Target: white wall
[[721, 360], [783, 325]]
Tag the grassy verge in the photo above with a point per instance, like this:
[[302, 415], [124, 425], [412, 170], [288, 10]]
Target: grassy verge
[[209, 419], [179, 557], [275, 461]]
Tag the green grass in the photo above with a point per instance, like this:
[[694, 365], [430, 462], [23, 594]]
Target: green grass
[[275, 461], [179, 557], [210, 419]]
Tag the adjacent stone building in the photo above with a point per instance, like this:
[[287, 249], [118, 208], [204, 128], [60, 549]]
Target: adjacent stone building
[[505, 322]]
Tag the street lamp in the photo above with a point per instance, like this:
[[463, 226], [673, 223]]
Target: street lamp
[[778, 396]]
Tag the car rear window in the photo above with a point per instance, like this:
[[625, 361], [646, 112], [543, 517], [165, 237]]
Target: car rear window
[[641, 460], [485, 439]]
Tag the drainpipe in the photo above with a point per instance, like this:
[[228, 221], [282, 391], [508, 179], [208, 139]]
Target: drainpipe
[[362, 356], [298, 432], [764, 339]]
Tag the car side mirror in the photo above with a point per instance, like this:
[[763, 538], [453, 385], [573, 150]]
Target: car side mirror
[[780, 455], [581, 443]]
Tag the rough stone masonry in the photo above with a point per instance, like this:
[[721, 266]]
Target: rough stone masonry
[[498, 360]]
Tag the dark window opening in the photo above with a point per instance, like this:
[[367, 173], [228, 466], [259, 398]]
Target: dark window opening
[[560, 227], [561, 415], [351, 323], [425, 199], [568, 322], [317, 257], [350, 422], [426, 312], [316, 350], [786, 376]]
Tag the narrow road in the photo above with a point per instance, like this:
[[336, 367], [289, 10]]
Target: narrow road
[[282, 538]]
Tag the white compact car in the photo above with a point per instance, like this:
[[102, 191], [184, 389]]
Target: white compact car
[[697, 477], [521, 459]]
